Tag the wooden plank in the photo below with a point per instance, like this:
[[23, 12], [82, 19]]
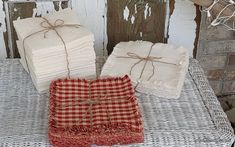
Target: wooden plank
[[60, 4], [172, 6], [198, 22], [22, 9], [135, 20]]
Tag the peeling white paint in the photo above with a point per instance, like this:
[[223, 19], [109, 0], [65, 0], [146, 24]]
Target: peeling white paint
[[34, 13], [126, 13], [146, 11], [136, 9], [141, 34], [44, 7], [182, 29], [2, 30], [92, 14], [132, 19], [60, 5]]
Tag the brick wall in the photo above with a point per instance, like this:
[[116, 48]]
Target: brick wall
[[216, 54]]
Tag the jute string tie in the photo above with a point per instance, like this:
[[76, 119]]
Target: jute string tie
[[146, 59], [99, 100], [47, 26]]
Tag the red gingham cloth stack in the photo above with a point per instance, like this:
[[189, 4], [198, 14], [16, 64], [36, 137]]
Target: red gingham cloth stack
[[101, 112]]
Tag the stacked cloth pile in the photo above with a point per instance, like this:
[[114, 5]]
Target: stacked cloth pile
[[55, 46], [157, 69], [101, 112]]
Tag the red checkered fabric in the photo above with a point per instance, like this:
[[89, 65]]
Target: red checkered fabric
[[94, 108]]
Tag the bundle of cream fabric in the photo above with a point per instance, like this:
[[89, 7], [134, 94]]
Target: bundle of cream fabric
[[45, 52], [157, 69]]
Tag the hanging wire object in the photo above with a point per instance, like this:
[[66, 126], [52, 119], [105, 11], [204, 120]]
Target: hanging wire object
[[224, 20]]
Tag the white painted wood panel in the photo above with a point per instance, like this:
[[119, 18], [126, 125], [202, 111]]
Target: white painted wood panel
[[92, 14], [44, 7], [182, 29], [2, 29]]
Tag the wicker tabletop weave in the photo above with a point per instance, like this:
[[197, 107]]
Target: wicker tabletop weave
[[196, 119]]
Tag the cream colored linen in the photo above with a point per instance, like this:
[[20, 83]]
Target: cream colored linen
[[167, 80]]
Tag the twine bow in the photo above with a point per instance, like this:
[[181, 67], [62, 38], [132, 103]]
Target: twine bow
[[99, 100], [51, 27], [147, 59]]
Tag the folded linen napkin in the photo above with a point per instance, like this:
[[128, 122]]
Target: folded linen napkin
[[158, 77], [55, 46], [86, 112]]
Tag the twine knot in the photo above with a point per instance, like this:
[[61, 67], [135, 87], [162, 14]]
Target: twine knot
[[97, 100], [47, 26], [147, 59], [59, 23], [91, 102]]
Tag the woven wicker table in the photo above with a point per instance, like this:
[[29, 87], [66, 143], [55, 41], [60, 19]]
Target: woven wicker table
[[196, 119]]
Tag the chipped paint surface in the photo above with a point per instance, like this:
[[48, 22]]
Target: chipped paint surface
[[132, 19], [182, 29], [2, 30], [135, 20], [92, 14], [135, 8], [126, 13], [44, 7], [147, 11]]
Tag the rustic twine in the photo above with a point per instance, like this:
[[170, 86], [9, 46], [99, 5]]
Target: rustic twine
[[91, 102], [51, 27], [147, 59]]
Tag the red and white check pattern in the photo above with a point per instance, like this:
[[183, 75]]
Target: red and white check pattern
[[113, 99]]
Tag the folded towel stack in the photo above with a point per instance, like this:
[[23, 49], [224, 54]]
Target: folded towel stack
[[101, 112], [55, 46], [157, 69]]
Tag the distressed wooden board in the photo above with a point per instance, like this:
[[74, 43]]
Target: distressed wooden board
[[135, 20], [23, 10], [198, 22]]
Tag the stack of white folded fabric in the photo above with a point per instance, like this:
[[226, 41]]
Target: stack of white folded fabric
[[164, 72], [45, 52]]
